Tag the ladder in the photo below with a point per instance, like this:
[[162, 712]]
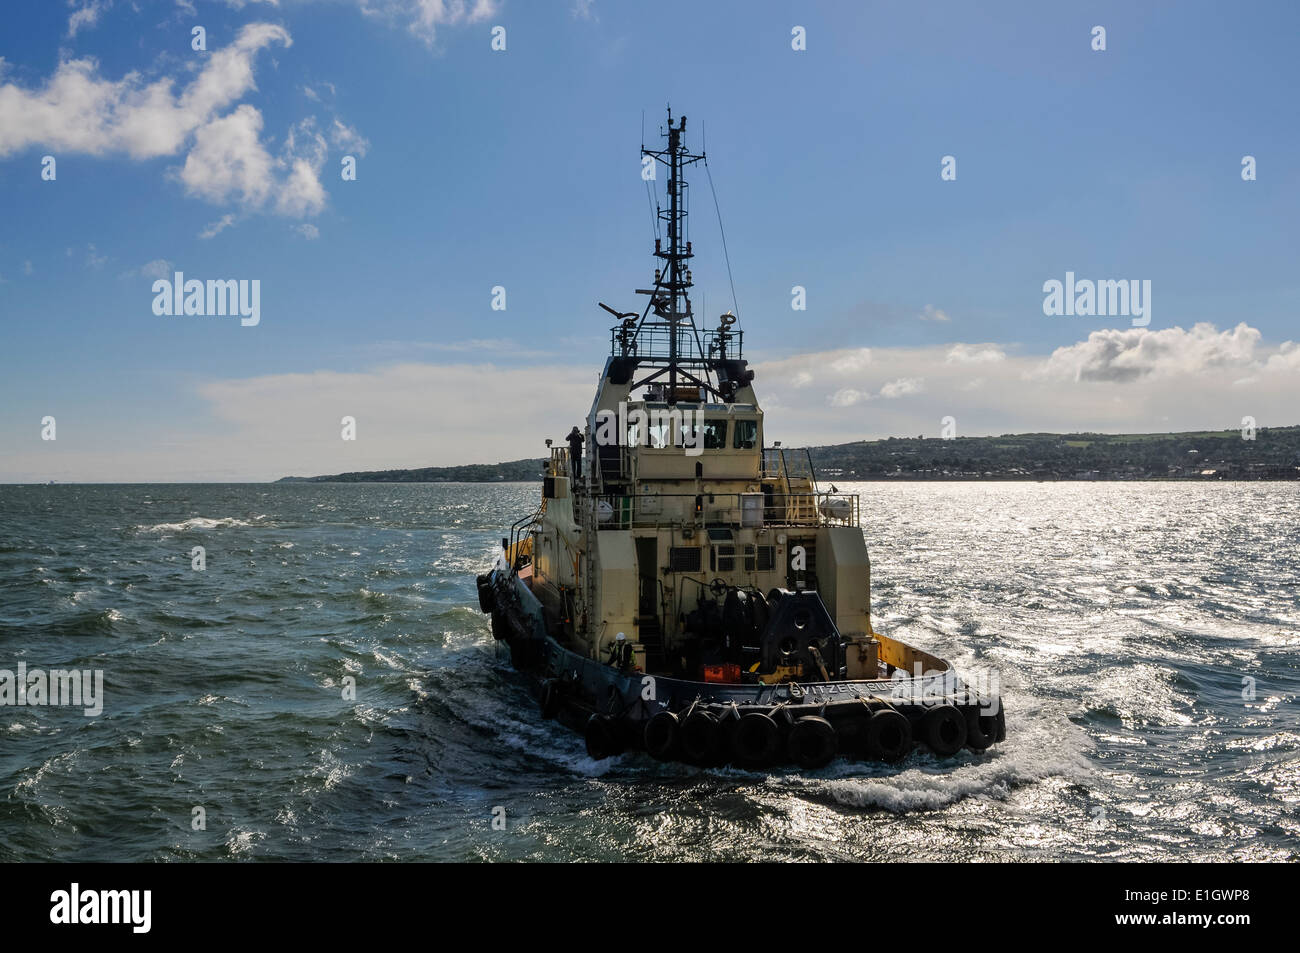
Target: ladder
[[651, 636]]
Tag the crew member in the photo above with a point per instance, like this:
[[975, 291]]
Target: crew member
[[620, 653], [575, 453]]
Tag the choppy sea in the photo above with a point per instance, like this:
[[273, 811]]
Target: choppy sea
[[1146, 637]]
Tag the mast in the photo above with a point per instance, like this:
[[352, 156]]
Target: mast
[[664, 342], [674, 278]]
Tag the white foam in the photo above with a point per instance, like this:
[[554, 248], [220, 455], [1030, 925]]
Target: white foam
[[1039, 745], [198, 523]]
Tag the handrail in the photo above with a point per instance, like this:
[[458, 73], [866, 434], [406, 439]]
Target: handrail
[[519, 529], [778, 509]]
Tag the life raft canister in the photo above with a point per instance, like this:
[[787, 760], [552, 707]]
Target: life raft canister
[[888, 736], [812, 742], [699, 737], [602, 737], [755, 740], [487, 599], [660, 735], [944, 730]]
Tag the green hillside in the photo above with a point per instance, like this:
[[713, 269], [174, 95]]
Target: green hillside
[[1274, 454]]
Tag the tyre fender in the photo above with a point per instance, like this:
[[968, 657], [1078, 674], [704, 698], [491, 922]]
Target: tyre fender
[[812, 742], [944, 730], [699, 737], [487, 598], [755, 740], [981, 730], [888, 736], [660, 735]]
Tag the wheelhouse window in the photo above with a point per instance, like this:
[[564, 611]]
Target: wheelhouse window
[[659, 433], [715, 434], [745, 435], [687, 435]]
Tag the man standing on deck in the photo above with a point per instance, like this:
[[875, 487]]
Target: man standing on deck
[[575, 453]]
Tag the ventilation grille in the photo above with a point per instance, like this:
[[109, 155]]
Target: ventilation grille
[[684, 558]]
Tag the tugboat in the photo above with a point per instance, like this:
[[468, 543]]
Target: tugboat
[[687, 590]]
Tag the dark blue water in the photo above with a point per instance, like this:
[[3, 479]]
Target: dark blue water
[[1125, 622]]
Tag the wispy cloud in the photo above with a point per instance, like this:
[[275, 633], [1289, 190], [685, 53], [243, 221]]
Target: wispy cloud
[[347, 139], [424, 18], [85, 14], [495, 348], [158, 268], [975, 354], [213, 229]]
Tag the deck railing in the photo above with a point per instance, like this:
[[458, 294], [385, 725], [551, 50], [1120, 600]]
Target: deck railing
[[734, 509]]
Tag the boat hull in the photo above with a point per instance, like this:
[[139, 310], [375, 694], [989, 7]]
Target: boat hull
[[751, 725]]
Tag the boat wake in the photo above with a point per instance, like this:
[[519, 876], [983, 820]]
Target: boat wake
[[200, 523], [1042, 747]]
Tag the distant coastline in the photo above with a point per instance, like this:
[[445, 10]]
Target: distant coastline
[[1273, 454]]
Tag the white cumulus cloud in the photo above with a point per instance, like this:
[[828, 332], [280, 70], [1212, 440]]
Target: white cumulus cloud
[[77, 110], [229, 161], [1129, 354], [226, 159]]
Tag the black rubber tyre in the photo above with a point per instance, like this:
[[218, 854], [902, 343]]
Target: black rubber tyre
[[550, 699], [888, 736], [699, 737], [500, 629], [944, 730], [755, 740], [660, 736], [602, 737], [981, 730], [812, 742], [487, 599]]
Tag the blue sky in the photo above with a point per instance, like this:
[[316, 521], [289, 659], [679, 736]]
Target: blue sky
[[478, 168]]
